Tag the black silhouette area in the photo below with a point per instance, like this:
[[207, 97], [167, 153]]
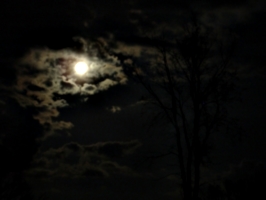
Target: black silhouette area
[[18, 133], [54, 38], [243, 182]]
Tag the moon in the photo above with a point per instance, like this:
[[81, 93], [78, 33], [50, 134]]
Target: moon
[[81, 68]]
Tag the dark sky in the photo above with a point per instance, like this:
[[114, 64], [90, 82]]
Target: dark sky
[[87, 137]]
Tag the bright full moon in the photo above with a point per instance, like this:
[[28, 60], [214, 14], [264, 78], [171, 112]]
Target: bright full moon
[[81, 68]]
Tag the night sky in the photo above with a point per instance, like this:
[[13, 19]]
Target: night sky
[[68, 136]]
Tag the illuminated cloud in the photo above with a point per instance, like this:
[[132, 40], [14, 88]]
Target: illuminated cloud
[[45, 77], [114, 109]]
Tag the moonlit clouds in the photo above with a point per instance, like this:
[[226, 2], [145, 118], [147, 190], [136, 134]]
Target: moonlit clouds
[[114, 109], [45, 76]]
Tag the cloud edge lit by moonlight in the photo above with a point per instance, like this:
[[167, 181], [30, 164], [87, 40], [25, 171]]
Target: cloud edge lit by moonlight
[[44, 76]]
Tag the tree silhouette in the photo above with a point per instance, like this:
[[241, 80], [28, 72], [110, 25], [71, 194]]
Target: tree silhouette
[[191, 84]]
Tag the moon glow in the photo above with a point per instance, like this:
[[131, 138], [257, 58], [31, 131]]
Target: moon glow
[[81, 68]]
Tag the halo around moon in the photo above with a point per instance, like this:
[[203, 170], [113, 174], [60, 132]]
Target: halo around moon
[[81, 68]]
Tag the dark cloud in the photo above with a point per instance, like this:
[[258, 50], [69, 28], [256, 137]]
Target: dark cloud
[[73, 146], [114, 149], [78, 161]]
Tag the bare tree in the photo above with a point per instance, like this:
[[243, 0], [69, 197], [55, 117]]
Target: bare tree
[[195, 84]]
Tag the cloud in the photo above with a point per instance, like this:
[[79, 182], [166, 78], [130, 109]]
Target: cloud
[[45, 78], [79, 161], [114, 149], [114, 109]]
